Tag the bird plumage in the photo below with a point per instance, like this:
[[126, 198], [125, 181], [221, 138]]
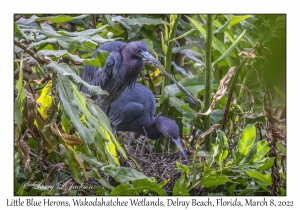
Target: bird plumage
[[134, 111], [121, 69]]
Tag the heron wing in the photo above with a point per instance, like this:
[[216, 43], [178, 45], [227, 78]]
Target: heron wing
[[127, 112]]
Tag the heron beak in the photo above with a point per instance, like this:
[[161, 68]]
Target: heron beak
[[178, 144], [149, 57]]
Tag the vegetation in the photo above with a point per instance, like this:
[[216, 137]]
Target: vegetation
[[233, 128]]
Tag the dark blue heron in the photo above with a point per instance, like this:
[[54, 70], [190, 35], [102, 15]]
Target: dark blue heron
[[134, 111], [121, 69]]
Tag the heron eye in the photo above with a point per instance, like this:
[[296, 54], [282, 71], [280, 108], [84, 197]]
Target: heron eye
[[140, 50]]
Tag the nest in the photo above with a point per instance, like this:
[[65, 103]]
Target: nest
[[161, 166]]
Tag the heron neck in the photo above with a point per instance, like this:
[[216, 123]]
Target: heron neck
[[151, 131]]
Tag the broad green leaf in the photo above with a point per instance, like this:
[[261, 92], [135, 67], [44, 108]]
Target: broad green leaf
[[237, 19], [19, 102], [245, 143], [213, 153], [108, 149], [123, 174], [267, 163], [91, 160], [124, 189], [181, 185], [95, 175], [223, 147], [64, 53], [70, 160], [247, 139], [230, 49], [261, 179], [137, 21], [65, 70], [258, 151], [42, 42], [97, 112], [61, 18], [145, 184], [68, 43], [65, 92], [217, 115], [85, 34], [214, 180], [233, 20]]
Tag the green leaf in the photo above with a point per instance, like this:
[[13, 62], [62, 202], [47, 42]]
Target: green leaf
[[95, 175], [247, 139], [258, 151], [103, 119], [281, 148], [20, 100], [65, 92], [184, 35], [223, 147], [85, 34], [245, 143], [181, 185], [124, 189], [262, 180], [91, 160], [61, 18], [68, 43], [64, 53], [145, 184], [42, 42], [214, 180], [216, 44], [65, 70], [123, 174], [237, 19], [230, 49], [213, 153], [70, 160], [105, 146], [267, 163]]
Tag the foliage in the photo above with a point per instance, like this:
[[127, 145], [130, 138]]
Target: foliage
[[63, 138]]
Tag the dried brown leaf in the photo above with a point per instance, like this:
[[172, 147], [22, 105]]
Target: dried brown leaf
[[50, 176], [25, 151], [221, 90], [71, 140], [65, 187], [208, 131], [247, 54]]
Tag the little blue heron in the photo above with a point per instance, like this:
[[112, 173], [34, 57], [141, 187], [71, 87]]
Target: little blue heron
[[134, 111], [121, 69]]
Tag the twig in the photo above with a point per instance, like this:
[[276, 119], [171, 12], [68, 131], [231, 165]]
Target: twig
[[40, 61]]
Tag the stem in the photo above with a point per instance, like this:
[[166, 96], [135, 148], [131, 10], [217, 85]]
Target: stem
[[207, 118], [168, 59], [232, 88], [40, 61]]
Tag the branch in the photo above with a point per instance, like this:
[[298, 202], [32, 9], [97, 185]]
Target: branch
[[40, 61]]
